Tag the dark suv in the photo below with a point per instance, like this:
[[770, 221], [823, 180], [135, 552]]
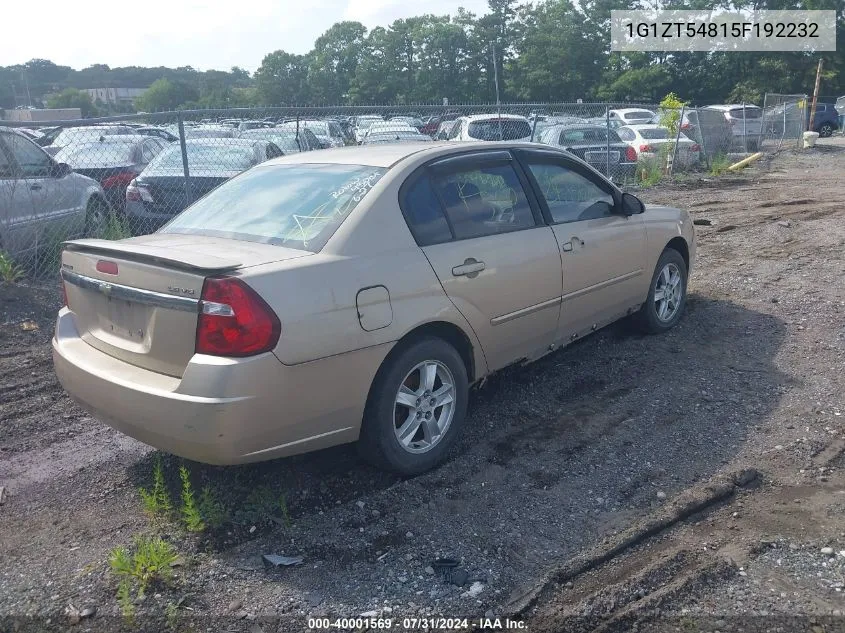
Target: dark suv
[[826, 121]]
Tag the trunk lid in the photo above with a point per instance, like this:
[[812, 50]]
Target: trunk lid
[[146, 314]]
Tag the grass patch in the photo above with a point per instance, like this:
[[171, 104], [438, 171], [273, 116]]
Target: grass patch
[[649, 172], [719, 164], [212, 510], [260, 505], [115, 228], [149, 562], [48, 253], [10, 272]]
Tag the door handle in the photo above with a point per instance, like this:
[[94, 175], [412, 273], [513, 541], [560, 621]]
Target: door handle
[[470, 268], [35, 187]]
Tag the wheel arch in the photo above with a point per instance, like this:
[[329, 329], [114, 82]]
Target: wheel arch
[[680, 244], [450, 333]]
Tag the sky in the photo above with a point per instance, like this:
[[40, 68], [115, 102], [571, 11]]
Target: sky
[[204, 34]]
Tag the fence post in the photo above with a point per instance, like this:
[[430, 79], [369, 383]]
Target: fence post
[[700, 128], [607, 134], [744, 130], [185, 170], [534, 127], [677, 139]]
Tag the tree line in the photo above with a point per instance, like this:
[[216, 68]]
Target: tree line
[[551, 50]]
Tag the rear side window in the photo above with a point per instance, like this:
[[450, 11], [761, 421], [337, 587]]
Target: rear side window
[[750, 113], [424, 214], [484, 200]]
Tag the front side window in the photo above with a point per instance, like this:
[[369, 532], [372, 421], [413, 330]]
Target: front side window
[[484, 200], [31, 159], [299, 206], [570, 196]]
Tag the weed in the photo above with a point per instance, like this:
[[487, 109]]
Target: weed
[[150, 562], [156, 501], [115, 228], [124, 600], [719, 164], [212, 510], [283, 508], [171, 612], [649, 172], [190, 511], [261, 504], [10, 272], [48, 252]]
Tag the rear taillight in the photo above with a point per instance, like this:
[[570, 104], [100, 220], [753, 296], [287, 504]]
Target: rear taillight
[[118, 180], [645, 148], [630, 154], [234, 320], [138, 193]]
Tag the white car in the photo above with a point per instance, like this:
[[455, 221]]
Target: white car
[[398, 128], [746, 123], [491, 127], [362, 123], [648, 140], [631, 116]]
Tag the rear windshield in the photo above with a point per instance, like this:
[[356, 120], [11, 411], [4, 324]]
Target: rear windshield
[[588, 135], [750, 113], [298, 206], [654, 133], [83, 134], [489, 130], [637, 114], [96, 155], [211, 158]]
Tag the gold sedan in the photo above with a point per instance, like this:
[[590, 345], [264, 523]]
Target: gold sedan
[[355, 294]]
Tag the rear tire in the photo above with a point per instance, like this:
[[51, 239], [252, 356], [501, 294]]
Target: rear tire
[[667, 295], [826, 130], [410, 437]]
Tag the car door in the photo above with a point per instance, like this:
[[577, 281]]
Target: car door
[[603, 251], [16, 206], [496, 260], [33, 194]]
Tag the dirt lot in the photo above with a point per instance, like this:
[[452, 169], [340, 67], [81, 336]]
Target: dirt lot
[[684, 482]]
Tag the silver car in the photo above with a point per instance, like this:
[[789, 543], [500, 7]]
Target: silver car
[[39, 195]]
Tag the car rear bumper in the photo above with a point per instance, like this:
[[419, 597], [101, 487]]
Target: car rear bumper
[[222, 410]]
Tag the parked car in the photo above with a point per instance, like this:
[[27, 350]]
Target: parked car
[[380, 137], [113, 161], [796, 116], [649, 141], [414, 122], [826, 119], [430, 125], [362, 123], [159, 192], [287, 139], [57, 139], [395, 128], [746, 123], [243, 126], [709, 128], [491, 127], [159, 132], [211, 131], [444, 129], [327, 132], [294, 307], [30, 133], [591, 144], [631, 116], [39, 195]]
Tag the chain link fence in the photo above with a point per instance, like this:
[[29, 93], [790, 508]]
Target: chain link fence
[[128, 175]]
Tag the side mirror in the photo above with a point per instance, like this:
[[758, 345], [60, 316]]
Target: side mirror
[[60, 170], [631, 204]]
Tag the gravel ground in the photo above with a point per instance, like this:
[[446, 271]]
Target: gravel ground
[[560, 457]]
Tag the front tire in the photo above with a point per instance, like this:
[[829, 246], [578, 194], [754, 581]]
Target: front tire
[[826, 130], [416, 409], [667, 294]]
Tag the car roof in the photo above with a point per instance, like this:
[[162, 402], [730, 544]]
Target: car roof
[[646, 126], [731, 106], [113, 139], [390, 154], [631, 110]]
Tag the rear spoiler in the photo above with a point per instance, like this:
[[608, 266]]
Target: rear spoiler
[[169, 255]]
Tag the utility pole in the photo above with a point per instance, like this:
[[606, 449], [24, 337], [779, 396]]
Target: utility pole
[[496, 81], [815, 94]]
